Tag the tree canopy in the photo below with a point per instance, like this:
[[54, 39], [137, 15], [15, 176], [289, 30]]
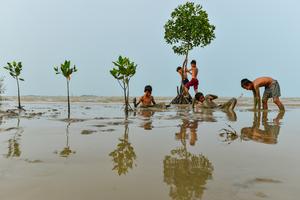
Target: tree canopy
[[188, 27]]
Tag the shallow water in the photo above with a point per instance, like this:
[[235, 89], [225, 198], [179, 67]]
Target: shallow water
[[170, 154]]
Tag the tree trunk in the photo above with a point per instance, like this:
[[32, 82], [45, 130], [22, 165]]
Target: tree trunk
[[125, 99], [181, 98], [68, 91], [19, 98]]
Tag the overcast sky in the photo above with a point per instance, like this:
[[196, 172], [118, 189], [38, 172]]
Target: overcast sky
[[253, 38]]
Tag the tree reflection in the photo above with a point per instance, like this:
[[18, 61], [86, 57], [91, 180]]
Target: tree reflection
[[67, 151], [123, 156], [184, 172], [269, 133], [14, 149]]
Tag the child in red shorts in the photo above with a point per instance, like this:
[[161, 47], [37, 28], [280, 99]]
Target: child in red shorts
[[194, 81]]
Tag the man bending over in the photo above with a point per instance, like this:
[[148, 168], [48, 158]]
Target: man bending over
[[272, 90]]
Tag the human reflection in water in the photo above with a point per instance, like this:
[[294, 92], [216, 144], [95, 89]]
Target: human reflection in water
[[147, 121], [14, 149], [188, 130], [123, 156], [268, 134], [184, 172], [66, 152], [207, 114]]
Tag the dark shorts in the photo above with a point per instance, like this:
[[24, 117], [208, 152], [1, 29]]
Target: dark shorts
[[185, 81], [194, 82], [272, 91]]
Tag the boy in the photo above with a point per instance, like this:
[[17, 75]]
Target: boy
[[146, 100], [194, 81], [272, 90], [207, 102], [183, 75]]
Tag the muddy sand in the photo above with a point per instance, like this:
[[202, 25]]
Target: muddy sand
[[165, 154]]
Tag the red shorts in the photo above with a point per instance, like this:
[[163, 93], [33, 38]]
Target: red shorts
[[194, 82]]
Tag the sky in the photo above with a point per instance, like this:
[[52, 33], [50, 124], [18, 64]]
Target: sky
[[253, 38]]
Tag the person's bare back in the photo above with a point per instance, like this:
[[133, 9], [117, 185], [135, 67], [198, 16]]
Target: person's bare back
[[262, 82]]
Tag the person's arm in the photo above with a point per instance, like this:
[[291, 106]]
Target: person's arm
[[137, 103], [153, 101], [211, 96], [257, 101]]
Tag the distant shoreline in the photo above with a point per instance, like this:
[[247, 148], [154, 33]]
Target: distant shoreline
[[244, 101]]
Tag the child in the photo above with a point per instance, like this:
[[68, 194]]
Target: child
[[184, 78], [272, 90], [194, 81], [207, 102], [147, 100]]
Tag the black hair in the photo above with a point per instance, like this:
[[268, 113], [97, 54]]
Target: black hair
[[178, 68], [198, 95], [148, 88], [245, 82], [193, 62]]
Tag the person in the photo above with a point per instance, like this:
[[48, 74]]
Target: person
[[183, 75], [194, 81], [147, 100], [272, 90], [208, 102]]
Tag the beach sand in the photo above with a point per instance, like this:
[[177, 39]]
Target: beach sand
[[163, 154]]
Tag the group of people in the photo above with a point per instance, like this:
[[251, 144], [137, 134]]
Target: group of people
[[272, 90]]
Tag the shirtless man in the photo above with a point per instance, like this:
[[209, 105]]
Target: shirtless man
[[272, 90], [147, 99], [194, 81]]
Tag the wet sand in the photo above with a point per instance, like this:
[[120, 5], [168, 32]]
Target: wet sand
[[167, 154]]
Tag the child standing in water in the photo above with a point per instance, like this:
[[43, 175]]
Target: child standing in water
[[194, 81], [147, 100], [272, 90]]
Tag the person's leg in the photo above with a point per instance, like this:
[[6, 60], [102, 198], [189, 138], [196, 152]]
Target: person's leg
[[229, 105], [187, 88], [276, 94], [196, 84], [278, 103], [196, 89], [265, 103]]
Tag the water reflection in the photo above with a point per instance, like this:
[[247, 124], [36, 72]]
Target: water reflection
[[146, 116], [123, 156], [67, 151], [207, 114], [184, 172], [188, 130], [14, 149], [268, 134]]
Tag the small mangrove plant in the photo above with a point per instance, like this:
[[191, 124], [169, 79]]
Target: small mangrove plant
[[66, 70], [14, 68], [123, 71]]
